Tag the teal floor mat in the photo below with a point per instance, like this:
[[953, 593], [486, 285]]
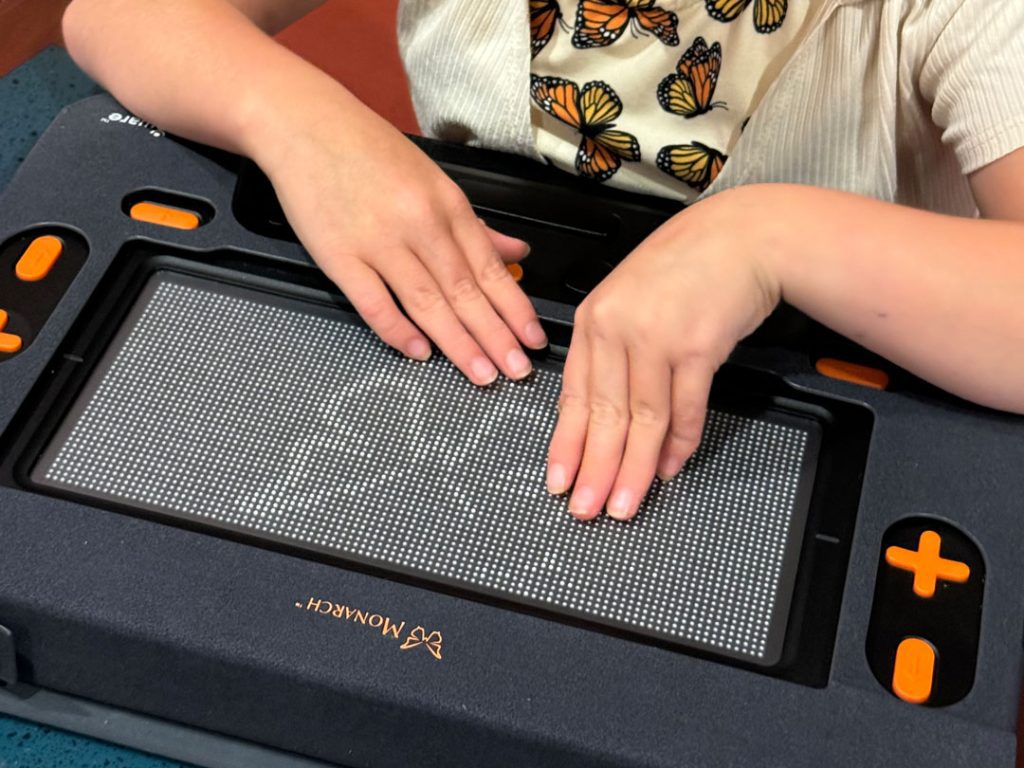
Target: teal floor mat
[[30, 97], [27, 745]]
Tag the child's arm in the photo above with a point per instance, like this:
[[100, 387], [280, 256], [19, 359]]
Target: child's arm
[[939, 295], [370, 207]]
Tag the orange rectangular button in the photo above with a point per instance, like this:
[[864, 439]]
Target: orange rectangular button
[[38, 259], [853, 373], [9, 343], [915, 668], [151, 213]]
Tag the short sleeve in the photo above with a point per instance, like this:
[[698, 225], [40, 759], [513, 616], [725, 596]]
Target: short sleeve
[[973, 77]]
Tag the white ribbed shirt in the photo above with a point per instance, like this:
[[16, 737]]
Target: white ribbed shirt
[[894, 99]]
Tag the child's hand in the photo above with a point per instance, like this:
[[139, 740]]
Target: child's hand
[[376, 213], [644, 349], [373, 211]]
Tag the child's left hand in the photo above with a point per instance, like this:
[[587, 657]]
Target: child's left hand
[[646, 344]]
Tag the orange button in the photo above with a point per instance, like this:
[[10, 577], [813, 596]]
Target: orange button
[[853, 373], [9, 342], [516, 271], [38, 259], [926, 565], [151, 213], [914, 671]]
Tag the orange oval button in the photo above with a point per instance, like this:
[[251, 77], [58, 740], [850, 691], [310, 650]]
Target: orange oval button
[[516, 271], [151, 213], [914, 670], [9, 343], [38, 259], [853, 373]]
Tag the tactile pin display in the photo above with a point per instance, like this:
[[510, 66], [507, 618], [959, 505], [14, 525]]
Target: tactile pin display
[[290, 421]]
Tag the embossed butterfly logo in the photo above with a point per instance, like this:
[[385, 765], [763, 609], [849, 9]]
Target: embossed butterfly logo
[[431, 642]]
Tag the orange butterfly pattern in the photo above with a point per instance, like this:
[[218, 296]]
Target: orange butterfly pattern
[[768, 14], [602, 22], [696, 164], [544, 15], [591, 112], [690, 90]]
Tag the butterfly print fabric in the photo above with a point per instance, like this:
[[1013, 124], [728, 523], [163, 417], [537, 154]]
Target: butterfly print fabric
[[652, 95]]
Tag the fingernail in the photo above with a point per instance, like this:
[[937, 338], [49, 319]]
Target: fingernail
[[621, 504], [483, 371], [582, 502], [557, 483], [518, 363], [668, 469], [418, 349], [535, 334]]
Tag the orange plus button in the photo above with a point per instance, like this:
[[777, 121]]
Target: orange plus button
[[914, 671], [926, 564], [9, 342]]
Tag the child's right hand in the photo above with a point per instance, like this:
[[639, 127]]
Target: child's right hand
[[376, 213]]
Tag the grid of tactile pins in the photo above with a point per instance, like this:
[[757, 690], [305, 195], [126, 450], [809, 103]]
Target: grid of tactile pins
[[297, 424]]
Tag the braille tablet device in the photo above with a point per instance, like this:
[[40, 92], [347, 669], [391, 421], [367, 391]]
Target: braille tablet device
[[226, 506], [262, 414]]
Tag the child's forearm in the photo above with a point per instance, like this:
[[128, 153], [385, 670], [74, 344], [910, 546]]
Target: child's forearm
[[202, 69], [938, 295]]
